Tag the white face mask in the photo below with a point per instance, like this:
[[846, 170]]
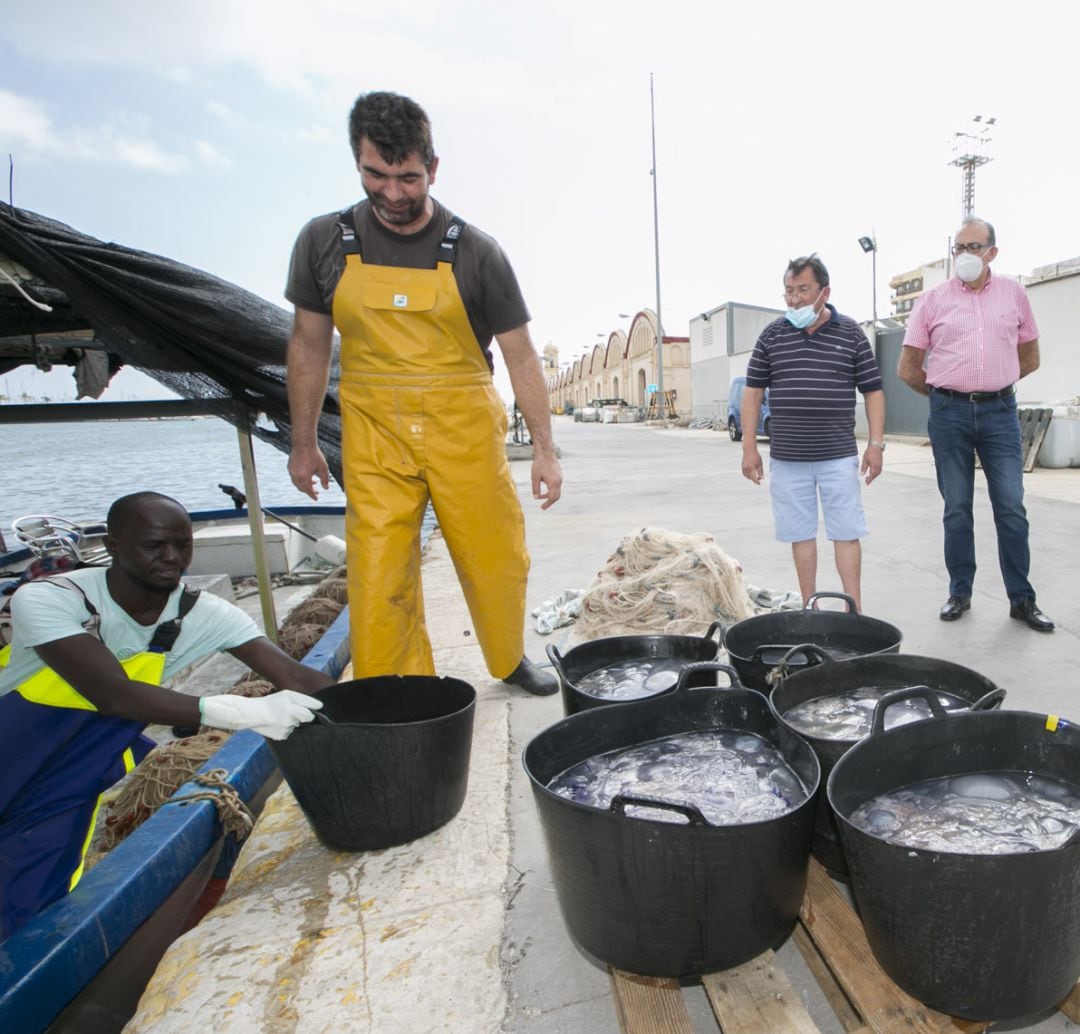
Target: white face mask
[[968, 267]]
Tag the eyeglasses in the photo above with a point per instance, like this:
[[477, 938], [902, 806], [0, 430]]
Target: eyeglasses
[[802, 291], [975, 249]]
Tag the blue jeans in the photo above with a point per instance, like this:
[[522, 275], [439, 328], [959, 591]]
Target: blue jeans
[[959, 430]]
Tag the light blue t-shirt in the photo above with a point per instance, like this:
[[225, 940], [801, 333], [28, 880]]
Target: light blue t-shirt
[[42, 613]]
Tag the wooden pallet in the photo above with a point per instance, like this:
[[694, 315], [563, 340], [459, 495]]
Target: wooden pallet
[[1034, 424], [757, 998]]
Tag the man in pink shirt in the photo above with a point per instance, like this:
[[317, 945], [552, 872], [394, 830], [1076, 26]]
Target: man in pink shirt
[[977, 335]]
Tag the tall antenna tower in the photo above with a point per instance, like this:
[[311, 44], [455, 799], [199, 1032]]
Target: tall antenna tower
[[970, 149]]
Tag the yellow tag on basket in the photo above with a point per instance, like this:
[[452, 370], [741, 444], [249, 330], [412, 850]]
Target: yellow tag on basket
[[1052, 722]]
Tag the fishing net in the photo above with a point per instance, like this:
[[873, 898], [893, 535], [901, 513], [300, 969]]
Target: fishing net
[[159, 775], [661, 582], [296, 640], [253, 687], [315, 610], [334, 589]]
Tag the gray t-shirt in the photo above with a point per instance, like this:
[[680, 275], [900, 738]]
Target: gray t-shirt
[[485, 278]]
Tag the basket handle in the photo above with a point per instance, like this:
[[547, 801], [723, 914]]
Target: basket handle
[[621, 801], [907, 693], [697, 666], [852, 606], [988, 701], [556, 659]]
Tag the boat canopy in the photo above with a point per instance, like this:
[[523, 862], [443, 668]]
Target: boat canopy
[[68, 298]]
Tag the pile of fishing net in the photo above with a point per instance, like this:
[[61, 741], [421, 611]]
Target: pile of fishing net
[[307, 621], [158, 776], [664, 583]]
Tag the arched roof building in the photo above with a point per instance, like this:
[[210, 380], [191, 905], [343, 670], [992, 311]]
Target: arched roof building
[[625, 367]]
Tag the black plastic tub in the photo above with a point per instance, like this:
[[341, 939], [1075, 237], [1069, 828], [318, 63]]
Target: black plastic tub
[[660, 898], [985, 937], [393, 766], [756, 645], [585, 658], [893, 671]]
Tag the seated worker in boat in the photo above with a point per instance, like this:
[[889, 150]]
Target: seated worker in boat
[[89, 652], [417, 295]]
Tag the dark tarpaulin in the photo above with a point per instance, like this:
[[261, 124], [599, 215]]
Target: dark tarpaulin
[[200, 336]]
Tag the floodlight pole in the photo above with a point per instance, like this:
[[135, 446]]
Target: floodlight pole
[[973, 155], [656, 244]]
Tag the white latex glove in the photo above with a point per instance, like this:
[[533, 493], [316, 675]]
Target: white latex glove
[[273, 716]]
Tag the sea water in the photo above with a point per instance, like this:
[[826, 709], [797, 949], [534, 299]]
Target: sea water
[[730, 776], [978, 813], [849, 715], [76, 470]]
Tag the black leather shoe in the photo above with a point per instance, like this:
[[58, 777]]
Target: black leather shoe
[[529, 677], [954, 608], [1029, 613]]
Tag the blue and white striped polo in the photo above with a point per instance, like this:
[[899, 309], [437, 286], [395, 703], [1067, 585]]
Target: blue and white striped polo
[[812, 380]]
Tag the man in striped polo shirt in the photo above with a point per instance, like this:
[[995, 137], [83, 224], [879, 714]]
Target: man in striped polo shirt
[[812, 359], [978, 337]]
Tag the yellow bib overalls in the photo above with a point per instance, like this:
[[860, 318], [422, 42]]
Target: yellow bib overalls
[[421, 420]]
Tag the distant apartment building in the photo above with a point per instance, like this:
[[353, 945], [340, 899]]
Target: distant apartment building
[[907, 287]]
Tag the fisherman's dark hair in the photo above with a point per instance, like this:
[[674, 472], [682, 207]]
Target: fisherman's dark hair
[[124, 509], [814, 264], [396, 125]]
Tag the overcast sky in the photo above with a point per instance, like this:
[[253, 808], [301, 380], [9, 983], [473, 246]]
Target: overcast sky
[[211, 131]]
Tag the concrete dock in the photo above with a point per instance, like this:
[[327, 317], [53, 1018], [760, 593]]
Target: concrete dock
[[461, 930]]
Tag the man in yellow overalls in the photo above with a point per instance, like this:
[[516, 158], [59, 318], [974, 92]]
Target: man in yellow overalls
[[417, 296], [83, 676]]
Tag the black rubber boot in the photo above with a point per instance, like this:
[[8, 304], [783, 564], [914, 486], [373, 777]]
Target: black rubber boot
[[529, 677]]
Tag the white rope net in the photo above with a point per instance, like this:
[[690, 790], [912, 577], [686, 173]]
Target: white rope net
[[664, 583]]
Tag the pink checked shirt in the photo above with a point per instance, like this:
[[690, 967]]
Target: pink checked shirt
[[971, 337]]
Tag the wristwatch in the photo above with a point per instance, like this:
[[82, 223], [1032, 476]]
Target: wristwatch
[[876, 444]]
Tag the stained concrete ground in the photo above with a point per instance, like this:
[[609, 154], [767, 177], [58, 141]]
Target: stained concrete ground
[[622, 477], [461, 931]]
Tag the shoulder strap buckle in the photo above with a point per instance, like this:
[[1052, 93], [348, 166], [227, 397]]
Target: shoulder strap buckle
[[448, 245], [350, 242]]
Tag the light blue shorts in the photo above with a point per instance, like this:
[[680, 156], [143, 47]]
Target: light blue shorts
[[795, 488]]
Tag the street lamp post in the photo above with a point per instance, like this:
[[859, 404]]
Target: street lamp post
[[870, 244], [656, 242]]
